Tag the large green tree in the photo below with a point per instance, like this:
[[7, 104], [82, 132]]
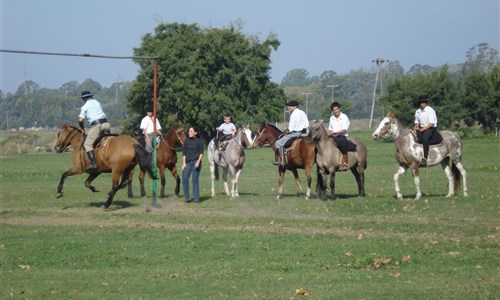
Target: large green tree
[[204, 74]]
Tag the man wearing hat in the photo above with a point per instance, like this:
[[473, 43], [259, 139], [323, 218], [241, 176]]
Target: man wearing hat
[[92, 111], [426, 127], [147, 127], [297, 127]]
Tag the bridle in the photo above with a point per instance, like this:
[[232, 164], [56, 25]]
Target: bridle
[[67, 141]]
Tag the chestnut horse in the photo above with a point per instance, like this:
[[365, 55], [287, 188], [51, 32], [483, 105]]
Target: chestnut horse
[[329, 160], [166, 157], [299, 156], [114, 154], [231, 160], [409, 153]]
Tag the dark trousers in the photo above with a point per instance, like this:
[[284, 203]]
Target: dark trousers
[[344, 144], [190, 169], [428, 137]]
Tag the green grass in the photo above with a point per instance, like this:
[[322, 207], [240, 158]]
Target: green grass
[[254, 246]]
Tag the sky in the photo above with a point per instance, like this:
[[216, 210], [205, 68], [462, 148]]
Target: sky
[[316, 35]]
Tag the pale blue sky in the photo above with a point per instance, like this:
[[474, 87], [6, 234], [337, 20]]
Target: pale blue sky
[[316, 35]]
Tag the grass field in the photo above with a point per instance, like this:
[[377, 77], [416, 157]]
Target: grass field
[[255, 246]]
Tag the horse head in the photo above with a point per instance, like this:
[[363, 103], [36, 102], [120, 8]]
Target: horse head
[[66, 137], [316, 131], [386, 127], [246, 138]]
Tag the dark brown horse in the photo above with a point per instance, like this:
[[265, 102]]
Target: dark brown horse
[[329, 160], [117, 155], [166, 157], [299, 156], [409, 153]]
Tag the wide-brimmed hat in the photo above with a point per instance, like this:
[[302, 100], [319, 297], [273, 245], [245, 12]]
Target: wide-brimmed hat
[[86, 94], [292, 103]]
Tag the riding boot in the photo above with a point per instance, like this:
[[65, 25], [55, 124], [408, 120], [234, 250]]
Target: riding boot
[[345, 162], [93, 164]]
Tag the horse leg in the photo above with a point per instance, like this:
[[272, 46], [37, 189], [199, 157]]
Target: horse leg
[[332, 185], [321, 185], [130, 192], [309, 180], [449, 175], [177, 179], [462, 171], [163, 181], [69, 172], [115, 177], [142, 176], [416, 179], [300, 192], [401, 170], [234, 191], [224, 180], [89, 180], [280, 182], [360, 180], [212, 177]]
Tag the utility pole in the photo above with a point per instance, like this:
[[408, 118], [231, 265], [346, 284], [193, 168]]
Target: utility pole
[[307, 100], [333, 86], [379, 62]]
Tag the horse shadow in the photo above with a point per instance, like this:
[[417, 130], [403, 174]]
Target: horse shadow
[[119, 204]]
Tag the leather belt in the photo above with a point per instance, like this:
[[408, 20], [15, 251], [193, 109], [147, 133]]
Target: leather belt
[[99, 121], [302, 131]]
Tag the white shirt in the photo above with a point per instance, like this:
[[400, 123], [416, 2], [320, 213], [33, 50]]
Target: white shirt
[[92, 111], [426, 116], [147, 123], [227, 128], [298, 120], [342, 122]]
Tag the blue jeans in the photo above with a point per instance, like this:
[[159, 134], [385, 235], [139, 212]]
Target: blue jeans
[[196, 181]]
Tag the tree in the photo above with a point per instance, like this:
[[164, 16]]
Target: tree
[[296, 77], [481, 58], [204, 74]]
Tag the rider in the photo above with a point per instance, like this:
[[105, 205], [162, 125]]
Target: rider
[[224, 131], [92, 111], [148, 128], [338, 129], [425, 126], [297, 127]]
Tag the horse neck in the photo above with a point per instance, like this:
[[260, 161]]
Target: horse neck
[[171, 139], [76, 140]]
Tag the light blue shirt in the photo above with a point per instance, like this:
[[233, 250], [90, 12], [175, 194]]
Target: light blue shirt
[[92, 111]]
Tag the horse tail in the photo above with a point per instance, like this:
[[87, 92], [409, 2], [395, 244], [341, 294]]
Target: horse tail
[[457, 176], [144, 159]]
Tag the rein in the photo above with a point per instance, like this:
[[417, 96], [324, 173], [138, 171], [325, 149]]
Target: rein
[[67, 141]]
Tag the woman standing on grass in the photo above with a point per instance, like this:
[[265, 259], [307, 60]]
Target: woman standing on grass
[[192, 154]]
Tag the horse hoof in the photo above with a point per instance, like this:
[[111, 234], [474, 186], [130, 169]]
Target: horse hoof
[[59, 195], [104, 206]]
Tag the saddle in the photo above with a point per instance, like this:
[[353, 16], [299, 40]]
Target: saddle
[[437, 140], [102, 139], [289, 146]]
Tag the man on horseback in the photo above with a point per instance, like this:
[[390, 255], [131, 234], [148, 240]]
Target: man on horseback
[[338, 129], [426, 127], [92, 111], [297, 127], [147, 127]]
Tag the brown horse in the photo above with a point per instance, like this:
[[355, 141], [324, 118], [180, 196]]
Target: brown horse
[[166, 157], [329, 160], [409, 153], [299, 156], [117, 155]]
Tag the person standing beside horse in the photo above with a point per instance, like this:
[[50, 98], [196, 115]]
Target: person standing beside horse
[[297, 127], [92, 111], [147, 127], [426, 127], [338, 129], [224, 131], [192, 154]]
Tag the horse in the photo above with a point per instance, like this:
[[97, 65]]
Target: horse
[[409, 152], [166, 157], [231, 159], [115, 154], [329, 160], [300, 155]]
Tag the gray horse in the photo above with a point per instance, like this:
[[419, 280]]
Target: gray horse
[[231, 159], [409, 152], [329, 160]]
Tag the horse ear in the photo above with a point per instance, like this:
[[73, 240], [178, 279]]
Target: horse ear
[[390, 114]]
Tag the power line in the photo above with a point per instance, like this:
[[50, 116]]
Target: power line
[[74, 54]]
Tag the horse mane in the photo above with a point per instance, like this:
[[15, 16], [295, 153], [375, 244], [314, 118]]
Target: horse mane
[[273, 126]]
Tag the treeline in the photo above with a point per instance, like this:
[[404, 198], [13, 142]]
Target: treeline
[[205, 73]]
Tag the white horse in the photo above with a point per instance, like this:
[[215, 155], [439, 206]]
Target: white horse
[[409, 153], [231, 159]]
